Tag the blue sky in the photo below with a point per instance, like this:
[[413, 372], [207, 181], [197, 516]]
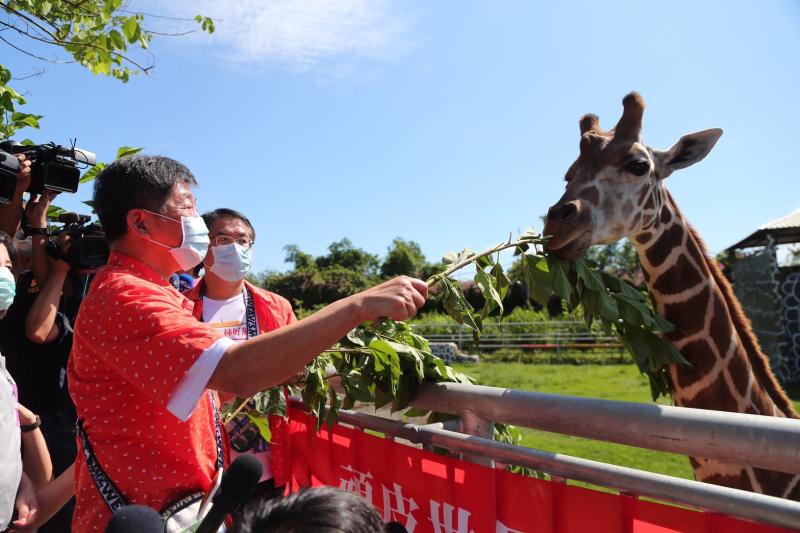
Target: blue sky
[[448, 123]]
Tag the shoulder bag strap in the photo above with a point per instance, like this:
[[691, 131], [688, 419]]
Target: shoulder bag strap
[[108, 491]]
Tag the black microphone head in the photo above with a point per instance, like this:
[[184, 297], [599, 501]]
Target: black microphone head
[[135, 519], [238, 482]]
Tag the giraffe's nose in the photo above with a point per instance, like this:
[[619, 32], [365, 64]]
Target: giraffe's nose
[[563, 212]]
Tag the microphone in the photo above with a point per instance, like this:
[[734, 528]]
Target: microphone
[[237, 484], [135, 519]]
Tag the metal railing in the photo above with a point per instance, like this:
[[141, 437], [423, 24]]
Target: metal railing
[[551, 335], [765, 442]]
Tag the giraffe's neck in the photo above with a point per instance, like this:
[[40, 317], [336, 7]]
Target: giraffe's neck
[[729, 372]]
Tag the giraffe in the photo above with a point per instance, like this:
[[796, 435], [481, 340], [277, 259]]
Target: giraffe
[[616, 189]]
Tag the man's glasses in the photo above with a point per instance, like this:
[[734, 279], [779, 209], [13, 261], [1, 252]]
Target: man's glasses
[[221, 240]]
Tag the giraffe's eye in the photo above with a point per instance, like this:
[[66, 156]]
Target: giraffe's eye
[[638, 167]]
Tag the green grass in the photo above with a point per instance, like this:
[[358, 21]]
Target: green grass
[[613, 382]]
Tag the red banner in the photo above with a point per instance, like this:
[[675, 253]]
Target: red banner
[[431, 493]]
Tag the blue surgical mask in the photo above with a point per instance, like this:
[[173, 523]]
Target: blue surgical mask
[[194, 246], [231, 261], [8, 288]]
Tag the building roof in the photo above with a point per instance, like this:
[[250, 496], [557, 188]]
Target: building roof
[[784, 230]]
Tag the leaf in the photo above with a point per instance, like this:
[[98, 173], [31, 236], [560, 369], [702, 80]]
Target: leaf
[[559, 277], [124, 151], [262, 423], [117, 40], [589, 276], [412, 355], [22, 120], [492, 298], [355, 387], [501, 282], [271, 402], [387, 362], [333, 409], [457, 306], [537, 278], [484, 261], [131, 29], [92, 173], [529, 233], [359, 337], [449, 258], [414, 412]]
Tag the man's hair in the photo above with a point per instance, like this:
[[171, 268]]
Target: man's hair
[[324, 510], [8, 242], [223, 212], [135, 182]]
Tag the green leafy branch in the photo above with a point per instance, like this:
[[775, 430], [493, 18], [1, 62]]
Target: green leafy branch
[[385, 364], [619, 307]]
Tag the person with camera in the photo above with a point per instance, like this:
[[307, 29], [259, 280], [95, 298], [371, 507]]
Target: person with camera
[[142, 368], [37, 338], [226, 301]]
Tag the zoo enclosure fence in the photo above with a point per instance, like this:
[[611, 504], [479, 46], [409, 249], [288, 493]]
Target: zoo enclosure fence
[[758, 441], [555, 336]]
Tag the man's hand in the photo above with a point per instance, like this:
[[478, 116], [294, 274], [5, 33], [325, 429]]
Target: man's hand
[[36, 208], [23, 175], [26, 506], [398, 299]]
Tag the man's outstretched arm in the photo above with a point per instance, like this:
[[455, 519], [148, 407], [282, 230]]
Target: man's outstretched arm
[[276, 357]]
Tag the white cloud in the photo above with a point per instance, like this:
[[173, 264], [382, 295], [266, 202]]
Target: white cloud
[[300, 34]]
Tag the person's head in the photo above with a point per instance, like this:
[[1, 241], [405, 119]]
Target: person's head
[[323, 510], [8, 255], [146, 207], [232, 238]]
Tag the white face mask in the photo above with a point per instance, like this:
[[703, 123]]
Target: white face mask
[[231, 261], [8, 288], [194, 246]]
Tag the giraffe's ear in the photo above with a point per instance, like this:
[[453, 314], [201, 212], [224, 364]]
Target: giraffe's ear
[[687, 151]]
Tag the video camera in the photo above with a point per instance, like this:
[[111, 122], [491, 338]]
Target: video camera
[[88, 247], [53, 167]]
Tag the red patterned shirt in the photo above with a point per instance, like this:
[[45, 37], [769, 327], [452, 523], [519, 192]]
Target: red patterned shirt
[[135, 339]]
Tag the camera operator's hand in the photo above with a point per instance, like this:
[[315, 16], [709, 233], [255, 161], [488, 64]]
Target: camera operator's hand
[[36, 209], [11, 213], [58, 261], [24, 175]]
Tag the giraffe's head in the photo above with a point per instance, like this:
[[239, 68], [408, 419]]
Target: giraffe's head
[[614, 187]]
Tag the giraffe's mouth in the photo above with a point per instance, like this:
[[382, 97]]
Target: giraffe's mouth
[[572, 249]]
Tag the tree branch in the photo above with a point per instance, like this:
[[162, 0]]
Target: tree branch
[[475, 256], [31, 54]]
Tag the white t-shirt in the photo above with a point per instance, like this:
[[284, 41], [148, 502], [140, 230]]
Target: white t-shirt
[[229, 318], [10, 458]]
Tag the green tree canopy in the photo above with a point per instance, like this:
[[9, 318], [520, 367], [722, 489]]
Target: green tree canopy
[[344, 254], [404, 258]]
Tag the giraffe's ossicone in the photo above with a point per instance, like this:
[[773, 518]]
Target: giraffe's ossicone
[[615, 189]]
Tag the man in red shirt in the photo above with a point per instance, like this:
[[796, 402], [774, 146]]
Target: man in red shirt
[[141, 365], [222, 299]]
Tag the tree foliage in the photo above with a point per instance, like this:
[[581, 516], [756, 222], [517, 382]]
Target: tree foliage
[[404, 258], [102, 36]]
